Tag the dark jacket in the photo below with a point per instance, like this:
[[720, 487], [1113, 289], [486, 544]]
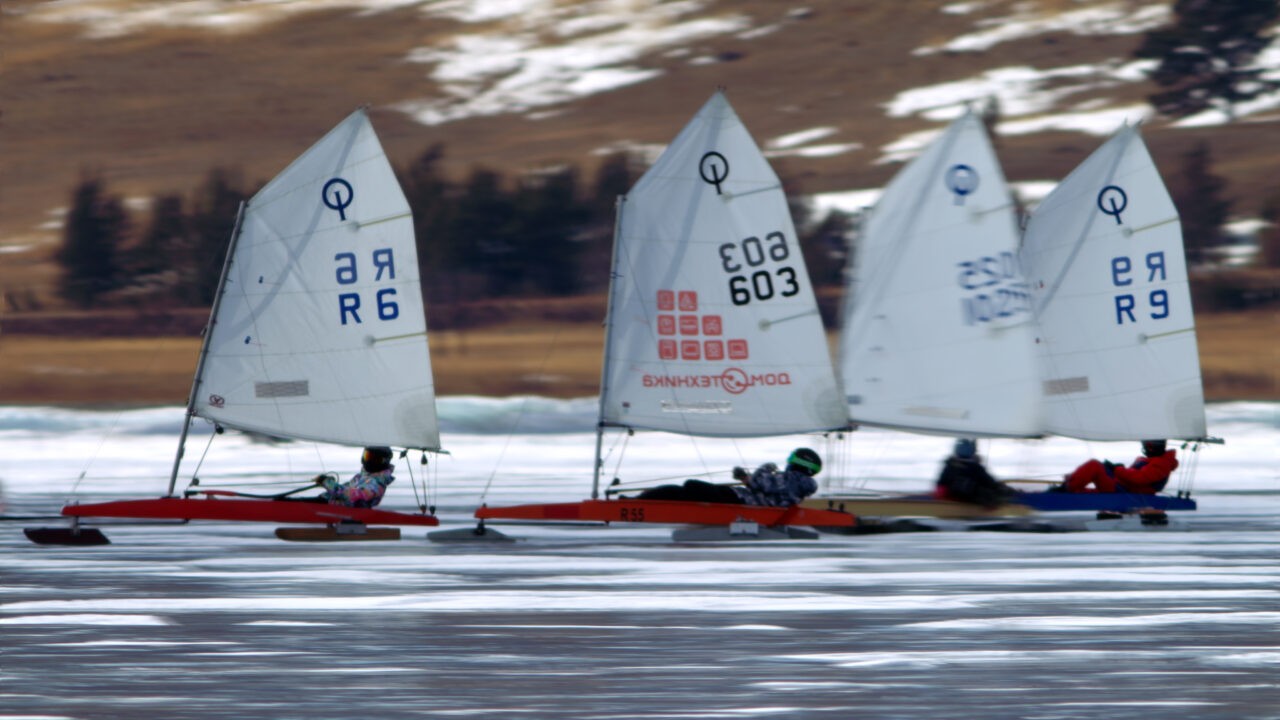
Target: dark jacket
[[967, 480]]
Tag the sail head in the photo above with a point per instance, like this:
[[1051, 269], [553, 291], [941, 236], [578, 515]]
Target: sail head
[[320, 331], [714, 328], [1117, 336], [937, 332]]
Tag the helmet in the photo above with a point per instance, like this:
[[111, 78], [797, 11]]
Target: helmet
[[966, 448], [1151, 448], [375, 459], [806, 461]]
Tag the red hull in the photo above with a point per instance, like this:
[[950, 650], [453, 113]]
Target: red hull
[[668, 512], [244, 510]]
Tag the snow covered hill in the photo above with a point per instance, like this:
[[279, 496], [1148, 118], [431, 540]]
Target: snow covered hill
[[154, 93]]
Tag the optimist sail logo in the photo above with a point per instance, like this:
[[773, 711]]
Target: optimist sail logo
[[734, 381], [687, 335]]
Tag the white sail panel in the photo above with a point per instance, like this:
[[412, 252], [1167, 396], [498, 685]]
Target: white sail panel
[[937, 326], [713, 326], [320, 332], [1117, 335]]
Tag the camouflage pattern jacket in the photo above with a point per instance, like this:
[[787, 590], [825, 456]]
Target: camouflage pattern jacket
[[776, 488]]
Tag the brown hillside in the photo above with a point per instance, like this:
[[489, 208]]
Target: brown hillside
[[155, 110]]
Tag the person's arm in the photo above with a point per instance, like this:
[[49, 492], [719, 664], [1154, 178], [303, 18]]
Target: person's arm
[[1150, 471]]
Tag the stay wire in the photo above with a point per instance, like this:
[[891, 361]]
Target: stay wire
[[413, 481], [195, 473], [524, 405]]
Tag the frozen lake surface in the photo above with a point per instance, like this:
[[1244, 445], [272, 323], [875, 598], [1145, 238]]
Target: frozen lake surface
[[216, 620]]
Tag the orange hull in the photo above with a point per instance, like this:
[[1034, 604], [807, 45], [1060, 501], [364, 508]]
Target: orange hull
[[668, 512], [245, 510]]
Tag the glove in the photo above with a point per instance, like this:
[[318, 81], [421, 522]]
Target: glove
[[740, 474], [1109, 466], [319, 479]]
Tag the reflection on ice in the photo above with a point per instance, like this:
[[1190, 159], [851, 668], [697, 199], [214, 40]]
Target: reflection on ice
[[581, 622], [83, 619], [1084, 622]]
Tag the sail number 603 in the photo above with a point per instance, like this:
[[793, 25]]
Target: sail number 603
[[746, 285]]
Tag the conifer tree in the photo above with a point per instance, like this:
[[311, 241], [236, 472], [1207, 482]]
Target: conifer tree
[[96, 227], [1206, 57], [431, 198], [1198, 195], [212, 220], [153, 255], [1269, 237]]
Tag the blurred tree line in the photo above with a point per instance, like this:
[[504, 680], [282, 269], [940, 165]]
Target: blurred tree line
[[540, 234]]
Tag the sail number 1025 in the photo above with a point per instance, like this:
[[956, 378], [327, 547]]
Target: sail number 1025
[[749, 280]]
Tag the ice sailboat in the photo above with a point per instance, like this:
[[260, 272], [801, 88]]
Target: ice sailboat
[[937, 332], [1115, 335], [1084, 329], [712, 326], [318, 332]]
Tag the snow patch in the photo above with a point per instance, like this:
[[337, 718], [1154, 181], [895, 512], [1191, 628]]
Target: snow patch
[[1028, 21]]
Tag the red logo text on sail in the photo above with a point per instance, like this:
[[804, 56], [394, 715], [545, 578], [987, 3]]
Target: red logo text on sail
[[734, 381]]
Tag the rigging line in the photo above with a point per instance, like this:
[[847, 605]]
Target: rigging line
[[524, 406], [766, 324], [413, 482], [272, 483], [1167, 334], [375, 340], [84, 469], [996, 208], [1187, 478], [196, 471], [363, 225], [153, 360], [728, 196], [626, 442], [1129, 232]]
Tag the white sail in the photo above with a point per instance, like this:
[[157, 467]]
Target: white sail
[[937, 330], [1117, 335], [713, 327], [320, 331]]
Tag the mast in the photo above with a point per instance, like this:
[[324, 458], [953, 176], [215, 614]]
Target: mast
[[608, 344], [204, 348]]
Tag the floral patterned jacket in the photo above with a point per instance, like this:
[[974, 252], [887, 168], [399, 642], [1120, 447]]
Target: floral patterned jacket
[[363, 490]]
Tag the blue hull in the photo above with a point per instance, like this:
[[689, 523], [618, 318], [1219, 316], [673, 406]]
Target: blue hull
[[1115, 502]]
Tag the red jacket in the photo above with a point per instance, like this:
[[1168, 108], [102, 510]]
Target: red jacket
[[1146, 473]]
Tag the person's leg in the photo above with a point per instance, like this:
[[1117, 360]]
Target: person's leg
[[1090, 473], [707, 492], [664, 492]]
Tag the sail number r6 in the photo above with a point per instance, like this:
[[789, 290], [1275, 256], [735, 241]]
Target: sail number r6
[[347, 273]]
